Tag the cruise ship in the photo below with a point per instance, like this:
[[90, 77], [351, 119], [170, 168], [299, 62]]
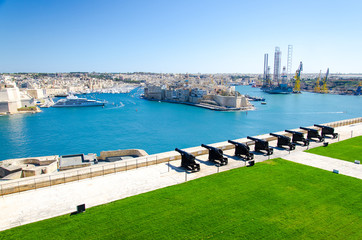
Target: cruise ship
[[73, 101]]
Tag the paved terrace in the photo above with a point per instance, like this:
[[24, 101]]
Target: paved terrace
[[42, 203]]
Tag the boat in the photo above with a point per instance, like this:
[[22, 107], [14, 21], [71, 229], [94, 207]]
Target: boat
[[73, 101], [263, 103], [251, 98]]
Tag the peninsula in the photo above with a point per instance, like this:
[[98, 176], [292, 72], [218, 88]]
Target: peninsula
[[195, 91]]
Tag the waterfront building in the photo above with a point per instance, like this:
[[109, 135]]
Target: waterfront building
[[11, 99], [36, 93]]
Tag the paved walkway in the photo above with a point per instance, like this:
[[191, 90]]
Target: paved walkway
[[34, 205], [327, 163]]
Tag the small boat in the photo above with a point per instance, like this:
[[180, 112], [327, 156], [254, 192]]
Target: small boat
[[73, 101], [264, 103]]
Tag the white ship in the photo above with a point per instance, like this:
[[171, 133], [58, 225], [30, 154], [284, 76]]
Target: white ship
[[73, 101]]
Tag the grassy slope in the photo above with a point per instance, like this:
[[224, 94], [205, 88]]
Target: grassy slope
[[349, 150], [274, 199]]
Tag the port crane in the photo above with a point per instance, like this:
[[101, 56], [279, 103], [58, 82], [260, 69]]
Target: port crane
[[317, 87], [324, 87], [296, 88]]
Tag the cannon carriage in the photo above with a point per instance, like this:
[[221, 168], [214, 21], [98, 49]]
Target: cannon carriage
[[261, 145], [284, 141], [242, 150], [313, 133], [188, 161], [298, 137], [216, 155], [326, 130]]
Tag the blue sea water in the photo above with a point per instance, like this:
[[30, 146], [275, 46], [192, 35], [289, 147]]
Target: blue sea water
[[157, 126]]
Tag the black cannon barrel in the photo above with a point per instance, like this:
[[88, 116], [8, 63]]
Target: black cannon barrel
[[294, 132], [309, 129], [209, 147], [181, 151], [329, 129], [277, 135], [256, 139], [321, 126], [233, 142]]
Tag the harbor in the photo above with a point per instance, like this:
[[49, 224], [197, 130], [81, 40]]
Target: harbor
[[128, 122]]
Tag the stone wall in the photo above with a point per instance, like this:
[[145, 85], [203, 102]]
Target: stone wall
[[228, 101], [36, 93], [10, 98]]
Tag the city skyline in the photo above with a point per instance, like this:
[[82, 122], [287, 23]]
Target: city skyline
[[178, 36]]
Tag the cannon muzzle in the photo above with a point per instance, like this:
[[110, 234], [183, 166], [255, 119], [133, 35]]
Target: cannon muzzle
[[254, 139], [233, 142], [180, 151], [209, 147]]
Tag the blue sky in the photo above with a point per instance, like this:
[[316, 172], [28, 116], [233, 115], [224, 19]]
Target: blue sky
[[224, 36]]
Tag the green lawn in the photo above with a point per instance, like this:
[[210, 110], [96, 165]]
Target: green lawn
[[276, 199], [349, 150]]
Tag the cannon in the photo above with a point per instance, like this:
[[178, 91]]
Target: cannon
[[216, 155], [313, 133], [261, 144], [284, 141], [298, 137], [242, 149], [188, 161], [327, 131]]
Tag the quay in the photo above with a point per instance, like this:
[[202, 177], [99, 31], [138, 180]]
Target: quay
[[209, 106], [96, 185]]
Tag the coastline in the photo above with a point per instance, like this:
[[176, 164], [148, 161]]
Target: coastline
[[21, 112]]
